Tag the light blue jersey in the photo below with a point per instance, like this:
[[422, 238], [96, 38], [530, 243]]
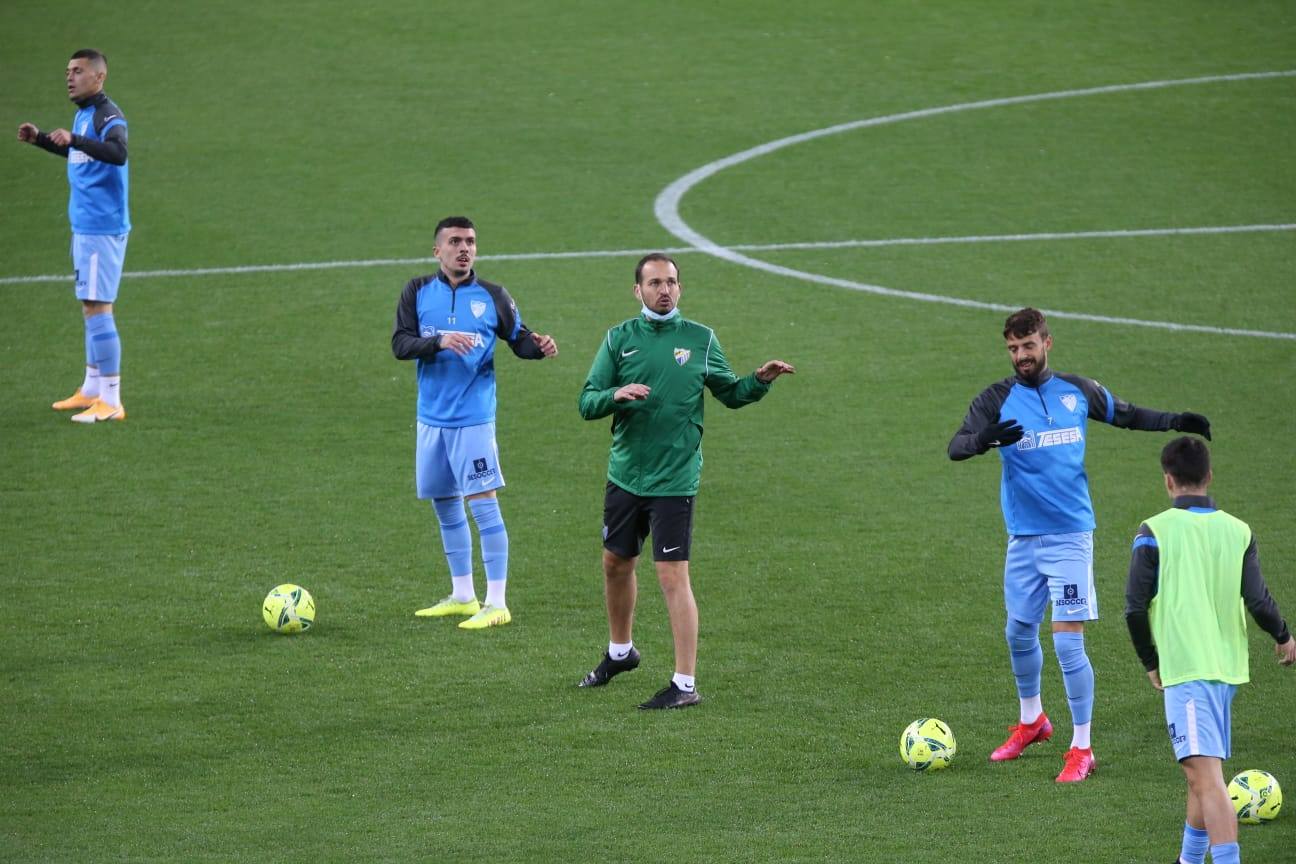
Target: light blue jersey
[[456, 391], [99, 200], [1044, 488]]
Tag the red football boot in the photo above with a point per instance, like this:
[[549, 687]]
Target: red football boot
[[1022, 736], [1079, 765]]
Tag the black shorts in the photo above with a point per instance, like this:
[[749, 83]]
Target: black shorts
[[627, 519]]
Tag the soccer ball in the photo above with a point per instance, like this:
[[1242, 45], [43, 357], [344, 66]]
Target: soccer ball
[[927, 745], [288, 609], [1256, 796]]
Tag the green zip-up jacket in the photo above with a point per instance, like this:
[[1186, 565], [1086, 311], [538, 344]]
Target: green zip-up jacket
[[657, 442]]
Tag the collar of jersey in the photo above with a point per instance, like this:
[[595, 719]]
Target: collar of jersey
[[445, 280], [1195, 503], [1044, 379], [96, 99]]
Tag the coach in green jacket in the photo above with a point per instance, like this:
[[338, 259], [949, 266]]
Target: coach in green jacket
[[649, 374]]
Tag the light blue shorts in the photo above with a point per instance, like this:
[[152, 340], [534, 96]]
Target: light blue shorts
[[452, 463], [1053, 571], [97, 264], [1199, 718]]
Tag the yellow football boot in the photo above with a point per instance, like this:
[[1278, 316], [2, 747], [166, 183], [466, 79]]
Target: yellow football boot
[[489, 616], [98, 412], [77, 400], [450, 606]]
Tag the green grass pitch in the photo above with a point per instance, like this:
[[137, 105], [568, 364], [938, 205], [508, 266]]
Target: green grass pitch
[[847, 573]]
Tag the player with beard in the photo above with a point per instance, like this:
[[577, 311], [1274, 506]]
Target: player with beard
[[1038, 422]]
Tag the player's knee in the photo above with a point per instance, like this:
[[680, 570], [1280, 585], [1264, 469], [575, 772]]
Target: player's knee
[[1021, 636], [1070, 650]]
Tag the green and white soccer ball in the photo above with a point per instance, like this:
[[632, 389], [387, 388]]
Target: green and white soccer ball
[[1256, 796], [928, 745], [288, 608]]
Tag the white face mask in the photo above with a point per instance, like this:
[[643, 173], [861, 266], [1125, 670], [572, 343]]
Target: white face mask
[[655, 316]]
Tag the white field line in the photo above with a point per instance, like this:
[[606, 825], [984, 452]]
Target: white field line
[[634, 253], [666, 207]]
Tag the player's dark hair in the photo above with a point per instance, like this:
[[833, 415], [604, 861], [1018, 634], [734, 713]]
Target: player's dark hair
[[1187, 460], [453, 222], [1024, 322], [96, 57], [653, 256]]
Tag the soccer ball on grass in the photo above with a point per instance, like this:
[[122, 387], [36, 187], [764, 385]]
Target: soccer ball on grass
[[288, 608], [1256, 796], [927, 745]]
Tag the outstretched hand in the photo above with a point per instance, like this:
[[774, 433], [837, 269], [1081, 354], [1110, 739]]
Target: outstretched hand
[[773, 369], [547, 345], [1194, 423], [1000, 434]]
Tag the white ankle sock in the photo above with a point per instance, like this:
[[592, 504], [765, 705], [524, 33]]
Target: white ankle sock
[[620, 650], [463, 588], [110, 390], [90, 386], [495, 592], [1031, 708], [1080, 736], [683, 682]]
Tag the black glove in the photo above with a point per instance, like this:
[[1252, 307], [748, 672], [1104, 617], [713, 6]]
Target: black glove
[[1194, 423], [999, 434]]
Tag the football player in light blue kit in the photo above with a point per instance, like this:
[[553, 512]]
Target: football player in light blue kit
[[449, 323], [95, 149], [1038, 420]]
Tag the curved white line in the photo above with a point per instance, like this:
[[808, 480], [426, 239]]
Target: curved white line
[[666, 207]]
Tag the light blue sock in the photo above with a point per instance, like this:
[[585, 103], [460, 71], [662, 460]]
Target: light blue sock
[[456, 539], [1077, 674], [1226, 853], [1195, 844], [89, 343], [105, 343], [1027, 656], [494, 543]]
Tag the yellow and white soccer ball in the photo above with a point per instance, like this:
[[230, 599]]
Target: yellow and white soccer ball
[[288, 608], [1256, 796], [928, 745]]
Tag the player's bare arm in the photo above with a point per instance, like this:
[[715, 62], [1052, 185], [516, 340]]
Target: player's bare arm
[[772, 369]]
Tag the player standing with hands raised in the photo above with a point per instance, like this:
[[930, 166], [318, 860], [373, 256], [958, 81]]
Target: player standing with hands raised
[[1038, 421]]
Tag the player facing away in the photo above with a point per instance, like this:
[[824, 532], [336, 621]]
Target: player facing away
[[1193, 570], [1038, 420], [95, 150], [448, 323], [650, 374]]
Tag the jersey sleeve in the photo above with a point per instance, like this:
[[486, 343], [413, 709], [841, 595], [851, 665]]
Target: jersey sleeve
[[1140, 588], [596, 397], [111, 150], [728, 388], [43, 141], [1106, 407], [983, 411], [510, 327], [407, 342], [1255, 594]]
